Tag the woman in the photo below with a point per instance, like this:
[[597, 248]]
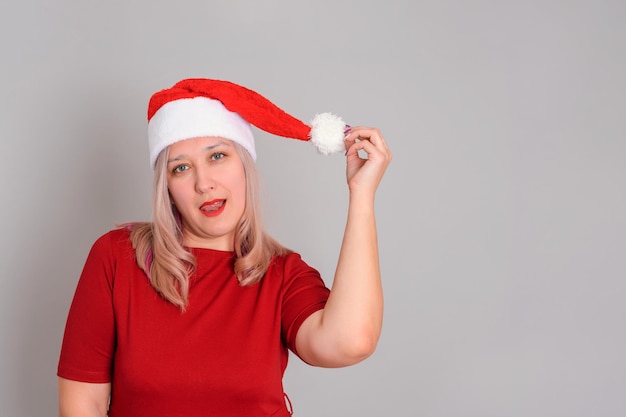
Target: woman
[[193, 314]]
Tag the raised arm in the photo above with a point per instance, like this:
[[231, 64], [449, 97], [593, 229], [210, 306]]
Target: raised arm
[[347, 330]]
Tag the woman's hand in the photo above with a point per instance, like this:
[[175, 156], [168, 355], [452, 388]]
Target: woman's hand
[[365, 174]]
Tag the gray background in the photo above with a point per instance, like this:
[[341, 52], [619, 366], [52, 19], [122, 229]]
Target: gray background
[[502, 226]]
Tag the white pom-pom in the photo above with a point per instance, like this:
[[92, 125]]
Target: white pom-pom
[[327, 133]]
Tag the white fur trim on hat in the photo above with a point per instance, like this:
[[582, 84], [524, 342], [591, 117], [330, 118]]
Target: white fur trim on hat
[[194, 118]]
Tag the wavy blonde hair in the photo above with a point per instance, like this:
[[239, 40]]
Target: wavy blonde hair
[[168, 264]]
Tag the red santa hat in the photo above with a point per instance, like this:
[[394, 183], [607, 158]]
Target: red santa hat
[[201, 107]]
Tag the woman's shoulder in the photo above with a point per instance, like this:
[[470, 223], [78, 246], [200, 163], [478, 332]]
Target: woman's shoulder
[[292, 263], [285, 257], [114, 241], [117, 235]]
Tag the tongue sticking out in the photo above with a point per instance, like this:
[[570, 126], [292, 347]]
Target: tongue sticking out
[[213, 206]]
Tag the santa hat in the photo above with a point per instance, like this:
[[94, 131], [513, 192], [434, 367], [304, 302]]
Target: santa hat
[[200, 107]]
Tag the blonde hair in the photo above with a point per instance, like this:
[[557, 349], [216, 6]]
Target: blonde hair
[[168, 264]]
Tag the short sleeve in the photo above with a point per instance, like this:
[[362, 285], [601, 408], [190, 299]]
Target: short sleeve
[[89, 339], [304, 293]]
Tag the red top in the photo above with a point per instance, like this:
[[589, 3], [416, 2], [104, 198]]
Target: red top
[[224, 356]]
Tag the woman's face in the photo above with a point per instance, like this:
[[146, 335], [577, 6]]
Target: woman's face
[[207, 183]]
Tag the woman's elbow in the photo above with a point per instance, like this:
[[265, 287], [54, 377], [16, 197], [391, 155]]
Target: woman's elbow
[[359, 347]]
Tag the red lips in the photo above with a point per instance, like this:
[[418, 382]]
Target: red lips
[[213, 208]]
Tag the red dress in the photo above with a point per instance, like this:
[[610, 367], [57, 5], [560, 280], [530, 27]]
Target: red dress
[[224, 356]]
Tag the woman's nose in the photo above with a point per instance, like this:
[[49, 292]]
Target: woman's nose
[[204, 181]]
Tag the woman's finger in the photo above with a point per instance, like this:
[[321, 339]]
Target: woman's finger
[[359, 133]]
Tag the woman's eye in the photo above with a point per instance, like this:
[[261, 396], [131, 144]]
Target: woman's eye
[[179, 169], [217, 155]]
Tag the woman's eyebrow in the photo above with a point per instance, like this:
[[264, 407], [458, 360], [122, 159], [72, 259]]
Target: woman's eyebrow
[[215, 145], [178, 158], [207, 149]]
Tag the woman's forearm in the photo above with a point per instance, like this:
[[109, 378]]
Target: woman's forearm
[[354, 311]]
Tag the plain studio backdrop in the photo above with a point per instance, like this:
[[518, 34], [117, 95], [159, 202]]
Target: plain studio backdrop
[[501, 219]]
